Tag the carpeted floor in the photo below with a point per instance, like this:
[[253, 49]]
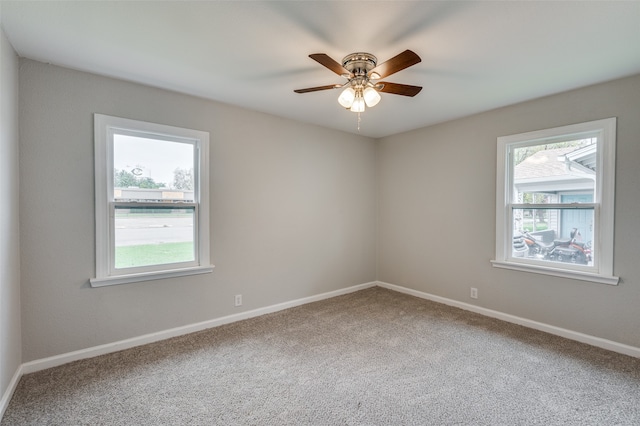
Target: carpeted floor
[[374, 357]]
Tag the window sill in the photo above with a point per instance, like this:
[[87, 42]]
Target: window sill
[[564, 273], [149, 276]]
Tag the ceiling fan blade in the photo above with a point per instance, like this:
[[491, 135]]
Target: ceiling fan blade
[[399, 89], [326, 61], [315, 89], [395, 64]]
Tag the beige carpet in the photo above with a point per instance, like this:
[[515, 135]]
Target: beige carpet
[[374, 357]]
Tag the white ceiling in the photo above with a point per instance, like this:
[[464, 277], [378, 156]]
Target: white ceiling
[[476, 55]]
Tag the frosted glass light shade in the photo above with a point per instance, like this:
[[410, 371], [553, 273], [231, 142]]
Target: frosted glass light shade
[[371, 96], [358, 104], [346, 97]]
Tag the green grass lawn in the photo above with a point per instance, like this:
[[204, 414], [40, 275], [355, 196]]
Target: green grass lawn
[[153, 254]]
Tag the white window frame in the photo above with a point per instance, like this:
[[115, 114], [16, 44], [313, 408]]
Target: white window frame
[[603, 205], [105, 127]]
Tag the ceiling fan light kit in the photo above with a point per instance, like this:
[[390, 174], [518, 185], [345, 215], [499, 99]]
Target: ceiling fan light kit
[[347, 97], [362, 72], [371, 96], [359, 65]]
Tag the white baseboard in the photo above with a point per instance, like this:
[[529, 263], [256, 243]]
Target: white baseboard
[[562, 332], [54, 361], [8, 393]]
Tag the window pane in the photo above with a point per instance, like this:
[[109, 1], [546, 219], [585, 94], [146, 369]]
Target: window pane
[[554, 235], [148, 169], [153, 236], [548, 172]]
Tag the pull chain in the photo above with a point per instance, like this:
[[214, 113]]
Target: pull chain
[[358, 121]]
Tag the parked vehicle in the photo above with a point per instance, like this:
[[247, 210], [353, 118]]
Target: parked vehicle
[[559, 250]]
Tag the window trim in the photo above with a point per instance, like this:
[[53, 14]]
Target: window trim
[[603, 203], [104, 128]]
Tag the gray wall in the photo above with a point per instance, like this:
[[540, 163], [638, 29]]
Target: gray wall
[[10, 339], [436, 224], [292, 212]]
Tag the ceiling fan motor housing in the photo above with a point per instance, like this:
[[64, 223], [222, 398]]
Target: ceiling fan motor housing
[[359, 64]]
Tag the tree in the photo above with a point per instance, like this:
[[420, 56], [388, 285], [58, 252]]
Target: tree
[[521, 154], [149, 183], [126, 179], [123, 179], [183, 179]]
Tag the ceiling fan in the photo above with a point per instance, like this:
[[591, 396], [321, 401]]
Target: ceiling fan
[[362, 73]]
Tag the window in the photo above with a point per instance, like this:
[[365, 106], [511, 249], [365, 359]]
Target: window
[[152, 201], [555, 201]]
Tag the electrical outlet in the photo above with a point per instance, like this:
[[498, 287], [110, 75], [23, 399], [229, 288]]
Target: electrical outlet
[[474, 293], [238, 300]]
